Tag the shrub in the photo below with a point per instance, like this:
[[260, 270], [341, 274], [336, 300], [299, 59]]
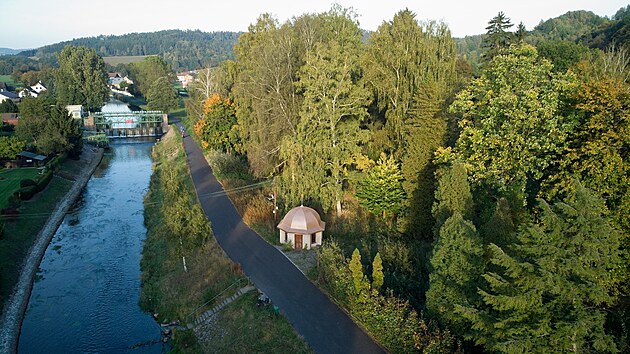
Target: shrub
[[27, 182], [44, 180], [26, 193]]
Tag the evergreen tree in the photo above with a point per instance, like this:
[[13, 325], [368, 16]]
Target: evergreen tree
[[60, 134], [81, 78], [457, 264], [497, 36], [550, 289], [361, 284], [411, 69], [378, 278], [381, 191], [8, 106], [452, 195]]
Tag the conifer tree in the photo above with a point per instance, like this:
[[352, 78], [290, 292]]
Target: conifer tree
[[497, 35], [381, 192], [377, 273], [452, 195], [457, 264], [550, 290]]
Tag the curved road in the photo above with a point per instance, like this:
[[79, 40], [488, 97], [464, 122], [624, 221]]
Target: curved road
[[326, 328]]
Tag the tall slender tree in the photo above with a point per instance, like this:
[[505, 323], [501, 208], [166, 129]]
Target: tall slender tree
[[498, 35], [328, 134], [411, 68]]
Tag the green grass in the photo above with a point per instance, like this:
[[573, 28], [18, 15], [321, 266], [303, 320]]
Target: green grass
[[10, 181], [113, 61], [8, 80]]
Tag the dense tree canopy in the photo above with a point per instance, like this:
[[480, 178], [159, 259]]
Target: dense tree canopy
[[512, 129], [81, 78]]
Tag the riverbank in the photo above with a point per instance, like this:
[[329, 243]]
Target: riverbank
[[177, 230], [15, 306]]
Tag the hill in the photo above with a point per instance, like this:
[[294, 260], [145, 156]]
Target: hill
[[9, 51], [184, 50], [615, 32], [568, 27]]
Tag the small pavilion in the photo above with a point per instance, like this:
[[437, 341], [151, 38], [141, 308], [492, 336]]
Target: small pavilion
[[302, 227]]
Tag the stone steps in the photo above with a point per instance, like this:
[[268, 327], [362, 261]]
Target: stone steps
[[210, 313]]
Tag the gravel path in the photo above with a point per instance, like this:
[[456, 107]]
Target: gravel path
[[15, 307]]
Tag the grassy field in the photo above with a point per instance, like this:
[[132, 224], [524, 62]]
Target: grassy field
[[10, 181], [124, 59], [20, 231], [8, 80]]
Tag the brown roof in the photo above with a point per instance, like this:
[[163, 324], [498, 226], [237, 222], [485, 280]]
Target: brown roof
[[9, 118]]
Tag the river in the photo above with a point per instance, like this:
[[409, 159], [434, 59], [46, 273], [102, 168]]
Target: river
[[85, 295]]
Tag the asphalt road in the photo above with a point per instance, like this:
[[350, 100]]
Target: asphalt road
[[326, 328]]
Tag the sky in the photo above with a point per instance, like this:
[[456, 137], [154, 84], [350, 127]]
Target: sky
[[34, 23]]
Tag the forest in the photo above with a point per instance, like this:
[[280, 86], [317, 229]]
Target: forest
[[470, 206]]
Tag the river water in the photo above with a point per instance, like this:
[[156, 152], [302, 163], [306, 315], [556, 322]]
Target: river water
[[85, 296]]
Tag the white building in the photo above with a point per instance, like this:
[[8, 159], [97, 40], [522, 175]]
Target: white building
[[39, 87], [302, 227], [75, 110]]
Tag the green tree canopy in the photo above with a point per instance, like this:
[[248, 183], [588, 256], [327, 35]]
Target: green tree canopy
[[457, 263], [8, 106], [81, 78], [381, 192], [162, 96], [327, 137], [549, 291], [497, 35], [10, 147], [512, 128]]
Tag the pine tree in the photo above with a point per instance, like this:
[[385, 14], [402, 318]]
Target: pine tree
[[377, 273], [550, 290], [497, 35], [457, 264]]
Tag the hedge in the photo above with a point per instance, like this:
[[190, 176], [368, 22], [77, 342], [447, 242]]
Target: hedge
[[44, 180], [27, 182], [26, 193]]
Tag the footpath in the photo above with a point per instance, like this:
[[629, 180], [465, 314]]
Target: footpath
[[325, 327], [16, 305]]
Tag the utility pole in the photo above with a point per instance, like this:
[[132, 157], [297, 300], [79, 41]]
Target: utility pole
[[275, 203]]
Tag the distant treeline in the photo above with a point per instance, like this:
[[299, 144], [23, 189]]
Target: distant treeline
[[583, 27], [183, 50]]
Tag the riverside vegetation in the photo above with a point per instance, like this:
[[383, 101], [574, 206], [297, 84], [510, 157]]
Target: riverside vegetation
[[178, 228]]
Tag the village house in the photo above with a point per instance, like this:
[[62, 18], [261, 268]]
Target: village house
[[32, 91], [185, 78], [76, 111], [9, 118], [302, 228], [8, 95]]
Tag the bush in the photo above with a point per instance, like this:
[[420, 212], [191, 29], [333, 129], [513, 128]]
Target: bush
[[27, 182], [26, 193], [44, 180], [55, 162]]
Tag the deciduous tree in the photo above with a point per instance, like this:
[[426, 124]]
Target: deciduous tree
[[81, 78]]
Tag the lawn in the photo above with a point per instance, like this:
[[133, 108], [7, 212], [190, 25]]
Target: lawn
[[9, 81], [10, 181]]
